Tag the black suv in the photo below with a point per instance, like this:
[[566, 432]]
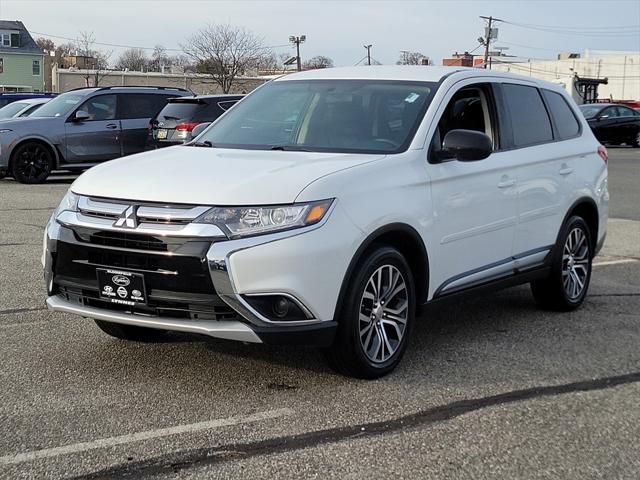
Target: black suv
[[180, 116], [80, 128]]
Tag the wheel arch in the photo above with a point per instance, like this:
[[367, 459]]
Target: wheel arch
[[407, 241], [586, 208], [57, 157]]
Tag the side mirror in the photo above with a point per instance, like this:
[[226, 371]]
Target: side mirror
[[198, 129], [467, 145], [81, 116]]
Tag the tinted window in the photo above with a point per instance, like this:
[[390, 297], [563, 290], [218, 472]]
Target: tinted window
[[563, 116], [590, 111], [611, 112], [227, 104], [140, 105], [529, 117], [625, 112], [325, 115], [100, 107], [179, 111]]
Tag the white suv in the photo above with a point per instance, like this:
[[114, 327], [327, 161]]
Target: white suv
[[328, 206]]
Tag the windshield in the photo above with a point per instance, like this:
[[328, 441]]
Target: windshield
[[10, 110], [359, 116], [59, 106], [590, 111]]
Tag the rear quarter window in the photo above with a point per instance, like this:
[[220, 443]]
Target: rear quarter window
[[529, 119], [564, 119]]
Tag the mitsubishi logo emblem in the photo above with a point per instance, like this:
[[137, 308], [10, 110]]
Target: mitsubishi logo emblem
[[128, 218]]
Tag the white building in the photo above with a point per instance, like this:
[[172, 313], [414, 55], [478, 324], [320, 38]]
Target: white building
[[622, 69]]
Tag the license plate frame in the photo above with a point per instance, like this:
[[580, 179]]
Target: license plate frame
[[121, 286]]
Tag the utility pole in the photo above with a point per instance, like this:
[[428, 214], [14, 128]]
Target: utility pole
[[368, 47], [488, 37], [297, 41]]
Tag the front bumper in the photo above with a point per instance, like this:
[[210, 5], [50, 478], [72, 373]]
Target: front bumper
[[266, 265]]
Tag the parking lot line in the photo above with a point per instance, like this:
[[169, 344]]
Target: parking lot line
[[141, 436], [615, 262]]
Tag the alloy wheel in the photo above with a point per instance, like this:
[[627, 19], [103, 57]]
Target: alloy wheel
[[32, 161], [575, 263], [383, 314]]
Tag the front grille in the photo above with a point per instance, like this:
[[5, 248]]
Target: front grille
[[177, 285], [127, 240]]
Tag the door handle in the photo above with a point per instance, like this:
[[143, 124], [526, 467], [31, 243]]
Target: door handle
[[506, 182], [112, 126], [565, 170]]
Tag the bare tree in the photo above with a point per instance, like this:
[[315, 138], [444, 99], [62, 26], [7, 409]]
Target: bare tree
[[159, 58], [85, 46], [413, 58], [318, 61], [134, 59], [46, 44], [224, 52]]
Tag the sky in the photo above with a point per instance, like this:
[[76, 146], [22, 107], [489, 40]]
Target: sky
[[339, 29]]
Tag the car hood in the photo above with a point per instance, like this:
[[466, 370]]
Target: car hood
[[212, 176]]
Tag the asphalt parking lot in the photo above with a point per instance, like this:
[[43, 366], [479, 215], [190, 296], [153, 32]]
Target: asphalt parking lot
[[489, 388]]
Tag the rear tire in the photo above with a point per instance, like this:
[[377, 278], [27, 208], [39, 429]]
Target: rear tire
[[376, 317], [31, 162], [129, 332], [566, 286]]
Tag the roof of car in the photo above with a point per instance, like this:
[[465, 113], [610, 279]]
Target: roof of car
[[420, 73], [34, 101], [221, 96]]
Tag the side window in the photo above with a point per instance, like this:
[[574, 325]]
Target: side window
[[140, 105], [101, 107], [529, 119], [226, 105], [610, 112], [563, 116], [625, 112], [469, 109]]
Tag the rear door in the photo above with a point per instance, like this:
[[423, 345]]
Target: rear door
[[96, 139], [547, 158], [135, 111]]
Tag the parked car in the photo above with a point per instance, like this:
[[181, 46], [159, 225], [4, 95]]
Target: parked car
[[329, 206], [175, 122], [613, 124], [21, 108], [7, 98], [79, 129]]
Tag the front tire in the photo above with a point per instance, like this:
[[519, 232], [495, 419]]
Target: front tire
[[376, 317], [566, 286], [129, 332], [635, 142], [31, 162]]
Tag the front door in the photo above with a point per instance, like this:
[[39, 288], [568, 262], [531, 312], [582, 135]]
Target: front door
[[474, 203], [97, 138]]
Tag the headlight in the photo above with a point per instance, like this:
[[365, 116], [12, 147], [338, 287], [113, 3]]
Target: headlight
[[247, 221], [69, 203]]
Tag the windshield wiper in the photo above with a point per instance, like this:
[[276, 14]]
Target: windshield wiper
[[289, 148], [206, 143]]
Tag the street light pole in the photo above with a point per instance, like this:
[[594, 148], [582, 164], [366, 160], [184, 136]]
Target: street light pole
[[297, 41], [368, 47]]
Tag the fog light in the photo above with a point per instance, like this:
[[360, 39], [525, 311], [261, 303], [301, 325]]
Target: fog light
[[278, 307], [281, 307]]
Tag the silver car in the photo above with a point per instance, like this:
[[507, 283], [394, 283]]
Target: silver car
[[21, 108], [79, 129]]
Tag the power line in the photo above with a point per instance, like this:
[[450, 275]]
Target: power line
[[135, 46]]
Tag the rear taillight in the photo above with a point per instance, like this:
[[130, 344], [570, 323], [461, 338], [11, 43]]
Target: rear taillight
[[603, 154], [186, 127]]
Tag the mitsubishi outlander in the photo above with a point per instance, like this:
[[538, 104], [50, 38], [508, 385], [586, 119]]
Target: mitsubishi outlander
[[329, 206]]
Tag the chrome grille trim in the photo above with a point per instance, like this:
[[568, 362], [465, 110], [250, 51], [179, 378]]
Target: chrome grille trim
[[151, 213], [152, 218], [77, 219]]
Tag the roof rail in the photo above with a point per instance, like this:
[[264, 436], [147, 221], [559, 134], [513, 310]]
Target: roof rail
[[180, 89]]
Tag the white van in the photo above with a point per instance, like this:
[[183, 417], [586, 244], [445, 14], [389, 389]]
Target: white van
[[328, 206]]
